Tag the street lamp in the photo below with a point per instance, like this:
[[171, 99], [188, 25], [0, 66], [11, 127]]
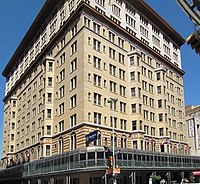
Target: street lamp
[[112, 101]]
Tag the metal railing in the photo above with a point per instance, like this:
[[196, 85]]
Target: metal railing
[[125, 159]]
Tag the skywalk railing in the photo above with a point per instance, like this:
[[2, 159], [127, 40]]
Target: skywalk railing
[[95, 159]]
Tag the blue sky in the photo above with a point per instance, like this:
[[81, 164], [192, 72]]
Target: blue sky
[[16, 17]]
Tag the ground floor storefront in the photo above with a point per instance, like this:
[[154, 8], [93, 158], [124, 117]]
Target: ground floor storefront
[[100, 177]]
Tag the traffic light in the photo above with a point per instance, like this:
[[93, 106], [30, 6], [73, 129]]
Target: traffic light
[[110, 161], [194, 41]]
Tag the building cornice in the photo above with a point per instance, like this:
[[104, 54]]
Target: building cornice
[[91, 11], [155, 18], [42, 55], [39, 21], [50, 5]]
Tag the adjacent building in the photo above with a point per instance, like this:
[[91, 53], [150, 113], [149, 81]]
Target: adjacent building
[[192, 119], [76, 57]]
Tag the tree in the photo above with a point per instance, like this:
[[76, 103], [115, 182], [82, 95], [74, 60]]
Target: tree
[[155, 178]]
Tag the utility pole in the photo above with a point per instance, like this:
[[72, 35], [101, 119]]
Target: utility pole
[[113, 101]]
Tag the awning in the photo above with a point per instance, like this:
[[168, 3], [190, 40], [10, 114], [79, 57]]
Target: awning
[[196, 173]]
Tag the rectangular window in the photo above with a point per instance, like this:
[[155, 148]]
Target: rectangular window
[[122, 90], [113, 119], [50, 81], [74, 30], [73, 83], [48, 130], [61, 126], [14, 103], [116, 10], [49, 97], [120, 42], [122, 74], [62, 75], [12, 138], [49, 113], [158, 77], [33, 139], [62, 58], [74, 47], [48, 149], [96, 28], [132, 76], [34, 112], [97, 80], [73, 101], [122, 107], [97, 99], [73, 65], [97, 118], [73, 120], [112, 69], [13, 114], [113, 86], [130, 21], [61, 91], [33, 126], [96, 45], [13, 125], [133, 106], [160, 117], [159, 89], [131, 60], [160, 103], [87, 22], [97, 62], [111, 37], [50, 66], [134, 125], [112, 53], [61, 108], [123, 124], [161, 131]]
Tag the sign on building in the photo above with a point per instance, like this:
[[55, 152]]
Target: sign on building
[[91, 137], [191, 127]]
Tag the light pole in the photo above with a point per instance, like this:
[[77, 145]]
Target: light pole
[[112, 101]]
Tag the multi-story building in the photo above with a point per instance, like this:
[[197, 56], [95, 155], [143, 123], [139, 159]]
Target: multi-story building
[[192, 114], [75, 57]]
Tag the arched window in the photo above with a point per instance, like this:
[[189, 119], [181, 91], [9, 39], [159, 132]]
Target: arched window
[[38, 152], [115, 140], [147, 145], [73, 141], [28, 156], [32, 154], [175, 149], [123, 142], [170, 148], [98, 142], [60, 145]]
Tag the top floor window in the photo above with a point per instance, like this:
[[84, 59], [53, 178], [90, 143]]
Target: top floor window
[[143, 20], [96, 28], [100, 2], [116, 10]]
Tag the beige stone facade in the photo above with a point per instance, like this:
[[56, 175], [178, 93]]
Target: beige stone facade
[[192, 123], [64, 86]]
